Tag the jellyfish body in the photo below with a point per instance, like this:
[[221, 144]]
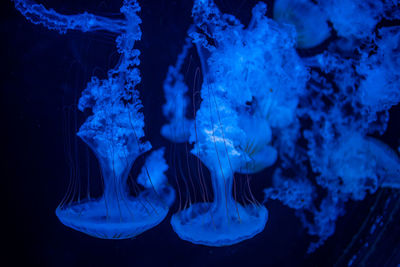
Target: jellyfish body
[[114, 132], [242, 104], [224, 221]]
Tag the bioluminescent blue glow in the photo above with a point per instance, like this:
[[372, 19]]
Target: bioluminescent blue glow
[[268, 100]]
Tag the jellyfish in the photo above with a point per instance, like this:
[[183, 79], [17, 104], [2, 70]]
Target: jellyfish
[[243, 102], [309, 20], [175, 108], [114, 132]]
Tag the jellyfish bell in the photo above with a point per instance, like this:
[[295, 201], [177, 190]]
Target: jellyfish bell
[[117, 214], [223, 221], [308, 19]]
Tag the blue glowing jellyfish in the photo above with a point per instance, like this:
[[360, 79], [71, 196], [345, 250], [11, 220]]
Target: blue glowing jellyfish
[[114, 132], [244, 101]]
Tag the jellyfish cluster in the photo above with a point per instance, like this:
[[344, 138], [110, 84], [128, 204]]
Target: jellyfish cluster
[[306, 94]]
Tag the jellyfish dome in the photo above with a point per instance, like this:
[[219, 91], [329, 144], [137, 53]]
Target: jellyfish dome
[[114, 132], [243, 102], [117, 215]]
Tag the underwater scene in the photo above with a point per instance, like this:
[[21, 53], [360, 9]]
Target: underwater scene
[[201, 132]]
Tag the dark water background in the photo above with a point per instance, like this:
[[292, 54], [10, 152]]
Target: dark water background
[[42, 77]]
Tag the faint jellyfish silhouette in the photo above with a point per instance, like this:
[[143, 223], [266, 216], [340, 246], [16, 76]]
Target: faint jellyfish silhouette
[[178, 127], [309, 20]]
